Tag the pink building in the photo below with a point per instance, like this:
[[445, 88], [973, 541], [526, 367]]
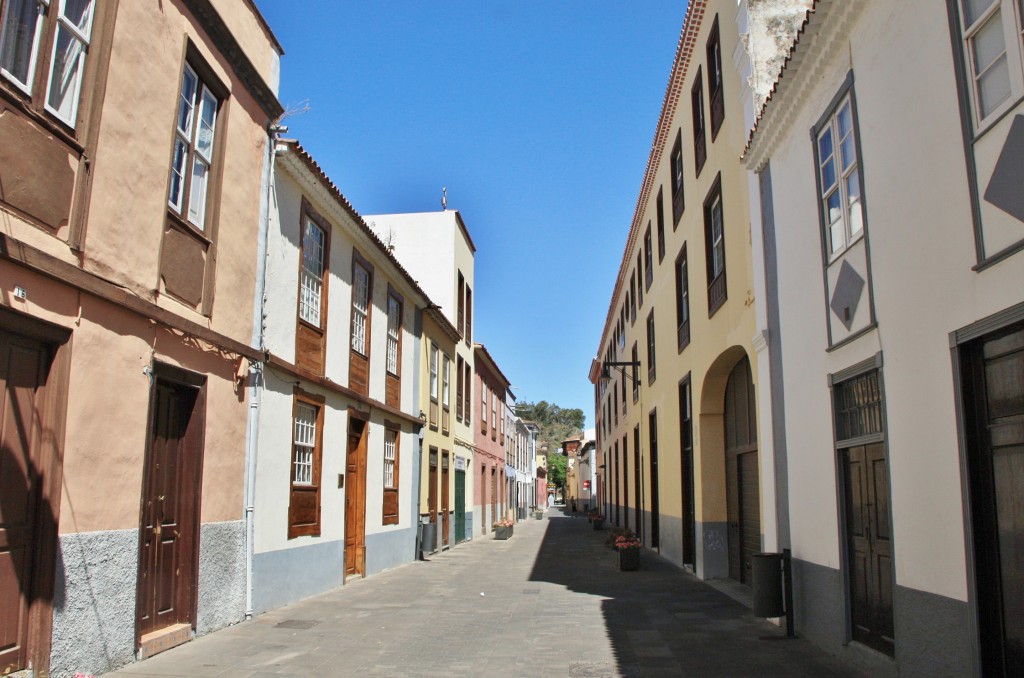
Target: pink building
[[490, 495]]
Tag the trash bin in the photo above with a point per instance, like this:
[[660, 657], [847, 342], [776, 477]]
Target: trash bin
[[767, 574], [428, 539]]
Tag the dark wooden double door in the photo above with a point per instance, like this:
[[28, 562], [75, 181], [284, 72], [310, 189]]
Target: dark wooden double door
[[993, 388], [355, 498], [169, 534], [743, 496]]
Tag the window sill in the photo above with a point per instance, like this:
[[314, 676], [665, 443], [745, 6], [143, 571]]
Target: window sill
[[20, 102], [985, 126], [310, 326], [182, 225], [836, 256]]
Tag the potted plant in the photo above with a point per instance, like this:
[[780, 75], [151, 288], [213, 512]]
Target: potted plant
[[627, 546], [598, 521], [502, 528]]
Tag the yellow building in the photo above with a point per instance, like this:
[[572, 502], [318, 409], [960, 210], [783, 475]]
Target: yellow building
[[677, 419]]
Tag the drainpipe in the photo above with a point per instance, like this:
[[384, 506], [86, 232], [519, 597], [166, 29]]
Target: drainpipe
[[256, 368]]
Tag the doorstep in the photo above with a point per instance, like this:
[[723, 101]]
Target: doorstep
[[155, 642]]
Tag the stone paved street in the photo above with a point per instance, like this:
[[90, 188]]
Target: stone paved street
[[548, 602]]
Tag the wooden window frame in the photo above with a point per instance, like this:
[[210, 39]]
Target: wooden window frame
[[461, 325], [648, 257], [396, 298], [682, 300], [307, 334], [434, 381], [631, 296], [494, 415], [297, 529], [651, 356], [700, 143], [359, 362], [459, 405], [446, 387], [659, 208], [485, 394], [469, 316], [716, 78], [391, 507], [676, 182], [467, 408], [639, 279], [635, 372], [34, 92], [718, 291]]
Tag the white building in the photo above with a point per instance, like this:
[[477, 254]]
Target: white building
[[891, 238]]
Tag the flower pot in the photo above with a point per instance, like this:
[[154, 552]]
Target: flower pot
[[598, 524], [503, 532], [629, 559], [539, 515]]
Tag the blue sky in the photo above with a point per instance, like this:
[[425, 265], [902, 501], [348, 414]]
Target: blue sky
[[537, 116]]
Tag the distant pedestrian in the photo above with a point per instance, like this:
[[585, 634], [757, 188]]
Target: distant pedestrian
[[574, 505]]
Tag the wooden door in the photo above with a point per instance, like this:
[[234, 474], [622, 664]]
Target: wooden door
[[743, 501], [655, 485], [638, 472], [445, 492], [24, 364], [994, 409], [432, 496], [170, 507], [869, 546], [355, 498], [460, 506], [686, 469]]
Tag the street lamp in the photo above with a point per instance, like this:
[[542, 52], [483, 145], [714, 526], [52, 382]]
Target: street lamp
[[606, 374]]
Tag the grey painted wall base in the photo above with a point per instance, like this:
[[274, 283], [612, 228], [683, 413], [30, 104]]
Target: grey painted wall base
[[94, 602], [672, 540], [933, 633], [221, 575], [712, 541], [386, 550], [285, 576]]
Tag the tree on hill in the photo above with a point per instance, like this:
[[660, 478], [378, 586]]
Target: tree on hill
[[556, 425]]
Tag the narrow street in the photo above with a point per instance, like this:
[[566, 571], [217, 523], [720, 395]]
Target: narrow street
[[547, 602]]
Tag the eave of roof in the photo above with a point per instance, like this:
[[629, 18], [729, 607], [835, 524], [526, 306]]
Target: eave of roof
[[489, 359]]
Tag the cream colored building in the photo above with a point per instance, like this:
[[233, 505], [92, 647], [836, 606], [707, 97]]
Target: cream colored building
[[677, 426], [894, 252]]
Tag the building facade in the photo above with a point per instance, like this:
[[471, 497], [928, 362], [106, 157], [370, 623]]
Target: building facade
[[892, 246], [127, 306], [491, 501]]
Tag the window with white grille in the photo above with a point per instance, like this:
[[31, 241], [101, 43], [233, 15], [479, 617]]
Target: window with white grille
[[433, 372], [394, 328], [390, 459], [991, 33], [311, 283], [839, 177], [446, 379], [193, 149], [304, 443], [360, 307]]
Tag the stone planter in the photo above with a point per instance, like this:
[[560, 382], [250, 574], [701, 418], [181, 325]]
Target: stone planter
[[502, 532], [539, 515], [598, 524], [629, 559]]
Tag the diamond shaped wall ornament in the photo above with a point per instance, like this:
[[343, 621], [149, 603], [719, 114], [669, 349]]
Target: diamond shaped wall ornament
[[846, 296], [1006, 186]]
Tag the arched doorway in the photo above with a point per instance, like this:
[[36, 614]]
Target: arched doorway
[[743, 501]]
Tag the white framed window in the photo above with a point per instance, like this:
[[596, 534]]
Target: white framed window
[[360, 307], [839, 178], [65, 26], [193, 149], [433, 372], [446, 382], [992, 41], [390, 459], [304, 443], [311, 283], [394, 330]]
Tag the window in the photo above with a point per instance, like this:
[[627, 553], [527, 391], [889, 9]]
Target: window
[[494, 414], [639, 278], [714, 246], [715, 88], [484, 393], [469, 315], [632, 298], [839, 178], [700, 148], [458, 388], [858, 406], [462, 305], [64, 28], [648, 257], [446, 382], [394, 334], [390, 457], [304, 494], [676, 168], [389, 512], [467, 411], [994, 69], [193, 149], [660, 210], [433, 372], [360, 307], [311, 278], [650, 348], [682, 300]]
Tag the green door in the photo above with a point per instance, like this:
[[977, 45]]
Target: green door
[[460, 506]]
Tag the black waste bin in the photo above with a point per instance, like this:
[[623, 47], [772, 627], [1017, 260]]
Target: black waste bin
[[767, 574], [428, 539]]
